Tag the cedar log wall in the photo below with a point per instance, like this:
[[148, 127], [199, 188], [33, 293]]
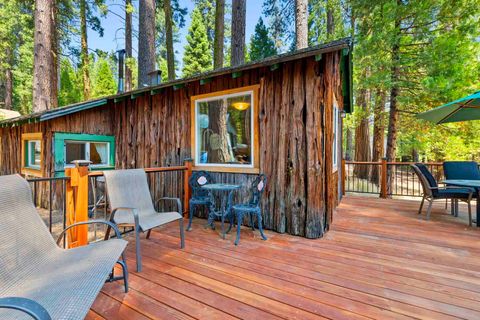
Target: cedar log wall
[[295, 137]]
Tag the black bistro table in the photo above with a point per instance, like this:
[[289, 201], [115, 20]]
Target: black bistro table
[[225, 193], [474, 184]]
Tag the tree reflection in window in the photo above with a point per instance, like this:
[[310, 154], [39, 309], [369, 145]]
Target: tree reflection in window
[[224, 130]]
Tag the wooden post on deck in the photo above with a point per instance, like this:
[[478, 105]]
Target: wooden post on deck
[[343, 176], [77, 204], [186, 186], [383, 178]]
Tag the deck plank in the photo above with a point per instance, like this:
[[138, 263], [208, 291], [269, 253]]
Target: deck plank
[[380, 260]]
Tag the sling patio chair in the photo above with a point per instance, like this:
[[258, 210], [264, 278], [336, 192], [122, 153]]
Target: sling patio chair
[[132, 206], [431, 191], [39, 279]]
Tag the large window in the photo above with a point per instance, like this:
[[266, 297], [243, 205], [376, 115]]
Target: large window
[[32, 154], [98, 149], [225, 130]]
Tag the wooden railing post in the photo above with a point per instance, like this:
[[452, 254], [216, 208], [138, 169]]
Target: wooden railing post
[[383, 178], [77, 203], [186, 186], [343, 176]]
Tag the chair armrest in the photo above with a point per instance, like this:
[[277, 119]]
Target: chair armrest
[[108, 223], [177, 200], [28, 306]]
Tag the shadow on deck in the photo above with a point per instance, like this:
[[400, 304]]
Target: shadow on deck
[[380, 260]]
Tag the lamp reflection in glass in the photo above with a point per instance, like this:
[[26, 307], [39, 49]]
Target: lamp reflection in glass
[[241, 105]]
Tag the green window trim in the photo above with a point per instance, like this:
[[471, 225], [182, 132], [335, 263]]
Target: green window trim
[[59, 139]]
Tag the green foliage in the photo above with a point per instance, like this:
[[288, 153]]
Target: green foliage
[[103, 82], [261, 45], [70, 85], [197, 57], [280, 16], [317, 21]]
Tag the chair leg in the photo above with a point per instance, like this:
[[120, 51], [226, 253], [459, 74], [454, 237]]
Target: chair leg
[[252, 225], [239, 223], [421, 205], [148, 234], [182, 234], [260, 227], [230, 220], [123, 264], [456, 207], [469, 214], [137, 248], [429, 209], [190, 217]]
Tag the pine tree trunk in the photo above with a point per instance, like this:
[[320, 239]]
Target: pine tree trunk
[[378, 134], [362, 137], [330, 20], [219, 34], [394, 92], [169, 39], [238, 32], [146, 41], [84, 50], [301, 24], [44, 68], [348, 144], [9, 82], [128, 46]]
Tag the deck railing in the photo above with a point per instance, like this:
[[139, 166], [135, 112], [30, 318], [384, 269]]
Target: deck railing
[[65, 200], [372, 177]]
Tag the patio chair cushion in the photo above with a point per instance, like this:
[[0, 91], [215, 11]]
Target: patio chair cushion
[[129, 188], [457, 193], [64, 282], [461, 170]]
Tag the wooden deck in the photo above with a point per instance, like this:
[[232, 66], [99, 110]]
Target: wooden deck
[[380, 260]]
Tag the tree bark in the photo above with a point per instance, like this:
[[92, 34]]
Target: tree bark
[[128, 46], [169, 39], [219, 34], [394, 92], [146, 41], [378, 133], [301, 24], [348, 144], [362, 136], [84, 50], [330, 20], [238, 32], [218, 124], [44, 68]]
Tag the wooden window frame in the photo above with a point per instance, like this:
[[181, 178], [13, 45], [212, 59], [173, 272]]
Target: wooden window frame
[[60, 138], [232, 168], [26, 169]]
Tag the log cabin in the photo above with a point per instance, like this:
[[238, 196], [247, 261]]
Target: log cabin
[[281, 116]]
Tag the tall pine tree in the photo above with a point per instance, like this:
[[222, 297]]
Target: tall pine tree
[[261, 44], [197, 57]]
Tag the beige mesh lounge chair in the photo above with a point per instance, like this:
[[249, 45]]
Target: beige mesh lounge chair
[[132, 205], [38, 279]]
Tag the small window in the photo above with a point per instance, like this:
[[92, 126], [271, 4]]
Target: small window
[[335, 144], [100, 150], [225, 130], [32, 154]]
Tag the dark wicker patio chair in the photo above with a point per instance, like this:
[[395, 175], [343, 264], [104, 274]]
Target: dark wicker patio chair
[[431, 191], [200, 196], [251, 208], [38, 279]]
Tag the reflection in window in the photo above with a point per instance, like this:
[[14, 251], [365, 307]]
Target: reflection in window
[[224, 130], [96, 152], [34, 153]]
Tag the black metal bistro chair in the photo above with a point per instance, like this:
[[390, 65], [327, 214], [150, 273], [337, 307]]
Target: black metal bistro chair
[[200, 197], [431, 191], [251, 208]]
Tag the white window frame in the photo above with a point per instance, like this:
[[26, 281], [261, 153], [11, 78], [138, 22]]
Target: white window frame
[[87, 152], [31, 162], [335, 128], [252, 130]]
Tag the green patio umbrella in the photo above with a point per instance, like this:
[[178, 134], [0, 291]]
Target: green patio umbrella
[[463, 109]]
